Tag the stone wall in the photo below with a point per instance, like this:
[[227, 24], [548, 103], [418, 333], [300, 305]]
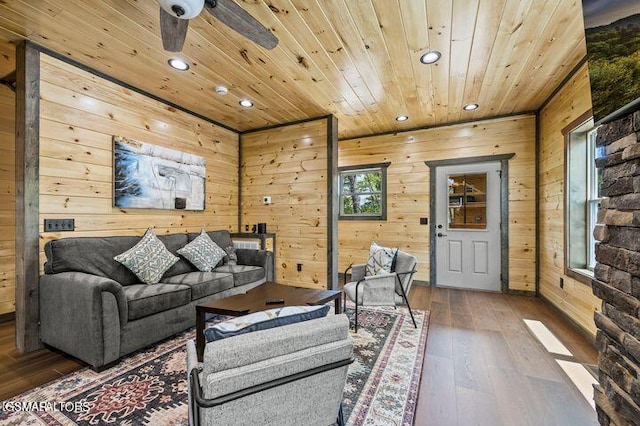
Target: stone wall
[[617, 274]]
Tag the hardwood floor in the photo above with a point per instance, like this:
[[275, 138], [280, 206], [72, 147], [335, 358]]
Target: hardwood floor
[[482, 364], [484, 367]]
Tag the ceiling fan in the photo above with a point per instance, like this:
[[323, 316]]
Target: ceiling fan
[[175, 15]]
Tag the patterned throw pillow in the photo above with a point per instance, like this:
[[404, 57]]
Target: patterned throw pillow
[[381, 259], [202, 252], [263, 320], [232, 257], [149, 259]]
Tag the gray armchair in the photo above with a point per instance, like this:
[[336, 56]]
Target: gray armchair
[[387, 289], [289, 375]]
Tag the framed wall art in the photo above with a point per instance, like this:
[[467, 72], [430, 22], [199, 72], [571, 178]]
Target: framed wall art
[[148, 176]]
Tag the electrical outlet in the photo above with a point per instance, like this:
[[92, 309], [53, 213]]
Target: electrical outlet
[[266, 200], [59, 225], [299, 267]]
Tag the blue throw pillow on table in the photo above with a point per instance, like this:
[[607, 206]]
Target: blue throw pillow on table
[[263, 320]]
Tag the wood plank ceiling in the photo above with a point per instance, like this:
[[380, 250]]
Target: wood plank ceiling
[[357, 59]]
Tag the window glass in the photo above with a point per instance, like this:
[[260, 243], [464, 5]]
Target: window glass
[[582, 189], [363, 192], [467, 201]]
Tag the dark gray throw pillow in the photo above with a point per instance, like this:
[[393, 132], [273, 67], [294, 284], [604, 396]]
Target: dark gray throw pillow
[[232, 257], [264, 320]]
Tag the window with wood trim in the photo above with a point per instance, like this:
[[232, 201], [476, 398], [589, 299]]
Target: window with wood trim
[[582, 189], [363, 192]]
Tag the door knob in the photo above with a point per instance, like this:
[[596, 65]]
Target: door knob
[[440, 234]]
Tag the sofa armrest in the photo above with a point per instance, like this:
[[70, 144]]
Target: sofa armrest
[[253, 257], [82, 314]]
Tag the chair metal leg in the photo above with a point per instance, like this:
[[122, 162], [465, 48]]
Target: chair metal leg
[[410, 313], [356, 316], [356, 303], [406, 300], [340, 420]]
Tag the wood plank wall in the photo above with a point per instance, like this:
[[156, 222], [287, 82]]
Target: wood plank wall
[[79, 114], [576, 298], [289, 164], [7, 184], [408, 189]]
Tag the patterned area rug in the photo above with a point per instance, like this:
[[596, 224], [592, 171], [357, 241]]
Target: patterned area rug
[[150, 387]]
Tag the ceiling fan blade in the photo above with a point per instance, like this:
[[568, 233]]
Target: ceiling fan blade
[[173, 31], [238, 19]]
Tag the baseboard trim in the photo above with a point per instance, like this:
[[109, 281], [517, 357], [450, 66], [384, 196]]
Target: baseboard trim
[[422, 283], [580, 329], [528, 293], [11, 316]]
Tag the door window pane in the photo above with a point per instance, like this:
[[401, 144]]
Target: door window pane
[[467, 194]]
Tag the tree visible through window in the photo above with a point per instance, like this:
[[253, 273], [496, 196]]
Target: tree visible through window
[[363, 192]]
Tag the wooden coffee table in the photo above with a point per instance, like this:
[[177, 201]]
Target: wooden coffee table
[[255, 300]]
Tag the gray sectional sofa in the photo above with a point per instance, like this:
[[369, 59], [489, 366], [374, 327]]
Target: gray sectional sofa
[[95, 309]]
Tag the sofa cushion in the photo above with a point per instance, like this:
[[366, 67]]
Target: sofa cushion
[[91, 255], [264, 320], [144, 300], [202, 252], [203, 283], [243, 274], [149, 259]]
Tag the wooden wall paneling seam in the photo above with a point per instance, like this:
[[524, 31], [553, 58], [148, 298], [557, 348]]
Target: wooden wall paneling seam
[[121, 83], [27, 199]]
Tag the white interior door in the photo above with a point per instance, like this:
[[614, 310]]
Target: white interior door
[[468, 226]]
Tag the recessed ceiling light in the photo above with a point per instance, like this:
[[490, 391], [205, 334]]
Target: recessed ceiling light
[[246, 103], [402, 118], [178, 64], [430, 57], [470, 107]]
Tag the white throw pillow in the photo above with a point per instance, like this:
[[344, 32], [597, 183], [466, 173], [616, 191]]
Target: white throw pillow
[[381, 259], [202, 252], [149, 259]]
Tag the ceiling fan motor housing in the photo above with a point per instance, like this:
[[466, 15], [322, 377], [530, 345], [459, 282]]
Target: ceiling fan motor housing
[[183, 9]]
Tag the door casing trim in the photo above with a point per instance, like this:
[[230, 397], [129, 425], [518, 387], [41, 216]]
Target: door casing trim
[[504, 211]]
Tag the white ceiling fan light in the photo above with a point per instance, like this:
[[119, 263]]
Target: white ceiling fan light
[[183, 9]]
